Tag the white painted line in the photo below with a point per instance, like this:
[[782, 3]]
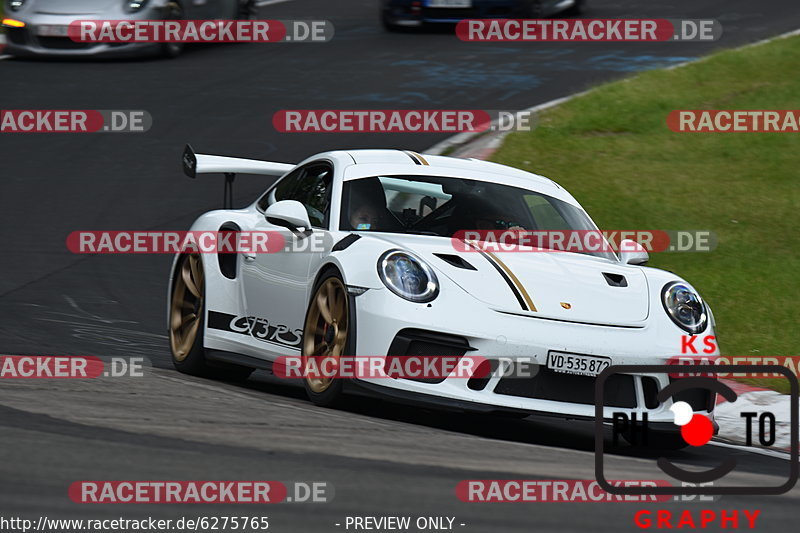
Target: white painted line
[[262, 3], [462, 139]]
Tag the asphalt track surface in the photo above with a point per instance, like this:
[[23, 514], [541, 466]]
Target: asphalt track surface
[[382, 459]]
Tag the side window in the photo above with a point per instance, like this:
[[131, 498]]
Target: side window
[[283, 189], [311, 186]]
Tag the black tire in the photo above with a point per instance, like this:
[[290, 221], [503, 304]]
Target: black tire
[[533, 10], [246, 10], [577, 9], [387, 23], [187, 312], [332, 394], [173, 11]]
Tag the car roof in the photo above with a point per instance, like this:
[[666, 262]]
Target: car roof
[[367, 163]]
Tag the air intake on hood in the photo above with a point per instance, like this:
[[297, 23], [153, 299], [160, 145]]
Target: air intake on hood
[[456, 261], [615, 280]]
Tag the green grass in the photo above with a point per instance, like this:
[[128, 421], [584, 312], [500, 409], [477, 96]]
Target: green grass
[[613, 151]]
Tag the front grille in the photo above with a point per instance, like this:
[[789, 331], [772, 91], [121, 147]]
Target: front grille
[[547, 384], [455, 13], [62, 43], [699, 399], [650, 392], [483, 374], [426, 343], [449, 13]]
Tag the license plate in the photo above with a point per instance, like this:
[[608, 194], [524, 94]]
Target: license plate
[[450, 3], [582, 365], [52, 30]]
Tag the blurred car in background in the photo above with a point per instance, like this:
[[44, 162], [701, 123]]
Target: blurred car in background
[[396, 14], [39, 27]]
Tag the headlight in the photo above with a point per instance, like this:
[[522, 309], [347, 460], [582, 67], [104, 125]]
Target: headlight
[[684, 307], [132, 6], [407, 276], [15, 5]]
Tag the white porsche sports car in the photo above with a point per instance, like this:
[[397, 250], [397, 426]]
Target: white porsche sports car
[[389, 281]]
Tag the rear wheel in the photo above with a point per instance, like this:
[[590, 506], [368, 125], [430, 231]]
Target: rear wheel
[[387, 23], [326, 335], [186, 316], [187, 309]]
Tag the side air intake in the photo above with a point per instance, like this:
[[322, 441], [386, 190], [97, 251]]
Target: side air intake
[[615, 280]]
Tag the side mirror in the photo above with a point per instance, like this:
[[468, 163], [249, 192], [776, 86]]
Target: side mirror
[[632, 253], [288, 213]]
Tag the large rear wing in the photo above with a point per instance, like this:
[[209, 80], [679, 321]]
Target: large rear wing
[[194, 164]]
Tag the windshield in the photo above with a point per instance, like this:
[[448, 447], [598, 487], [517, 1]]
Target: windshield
[[432, 205]]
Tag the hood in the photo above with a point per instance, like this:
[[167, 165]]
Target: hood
[[560, 286], [77, 7]]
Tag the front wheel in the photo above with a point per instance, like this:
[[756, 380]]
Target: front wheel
[[326, 334]]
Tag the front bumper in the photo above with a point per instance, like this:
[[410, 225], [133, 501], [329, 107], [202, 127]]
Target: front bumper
[[407, 14], [26, 42], [510, 339]]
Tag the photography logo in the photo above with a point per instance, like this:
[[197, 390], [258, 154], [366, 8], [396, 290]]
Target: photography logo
[[695, 429]]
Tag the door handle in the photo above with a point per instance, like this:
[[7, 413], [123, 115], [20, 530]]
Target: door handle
[[249, 257]]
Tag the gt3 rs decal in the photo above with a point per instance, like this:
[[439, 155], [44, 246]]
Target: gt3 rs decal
[[259, 328], [513, 282]]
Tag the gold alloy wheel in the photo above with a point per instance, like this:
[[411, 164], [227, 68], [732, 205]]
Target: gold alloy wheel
[[325, 329], [187, 306]]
